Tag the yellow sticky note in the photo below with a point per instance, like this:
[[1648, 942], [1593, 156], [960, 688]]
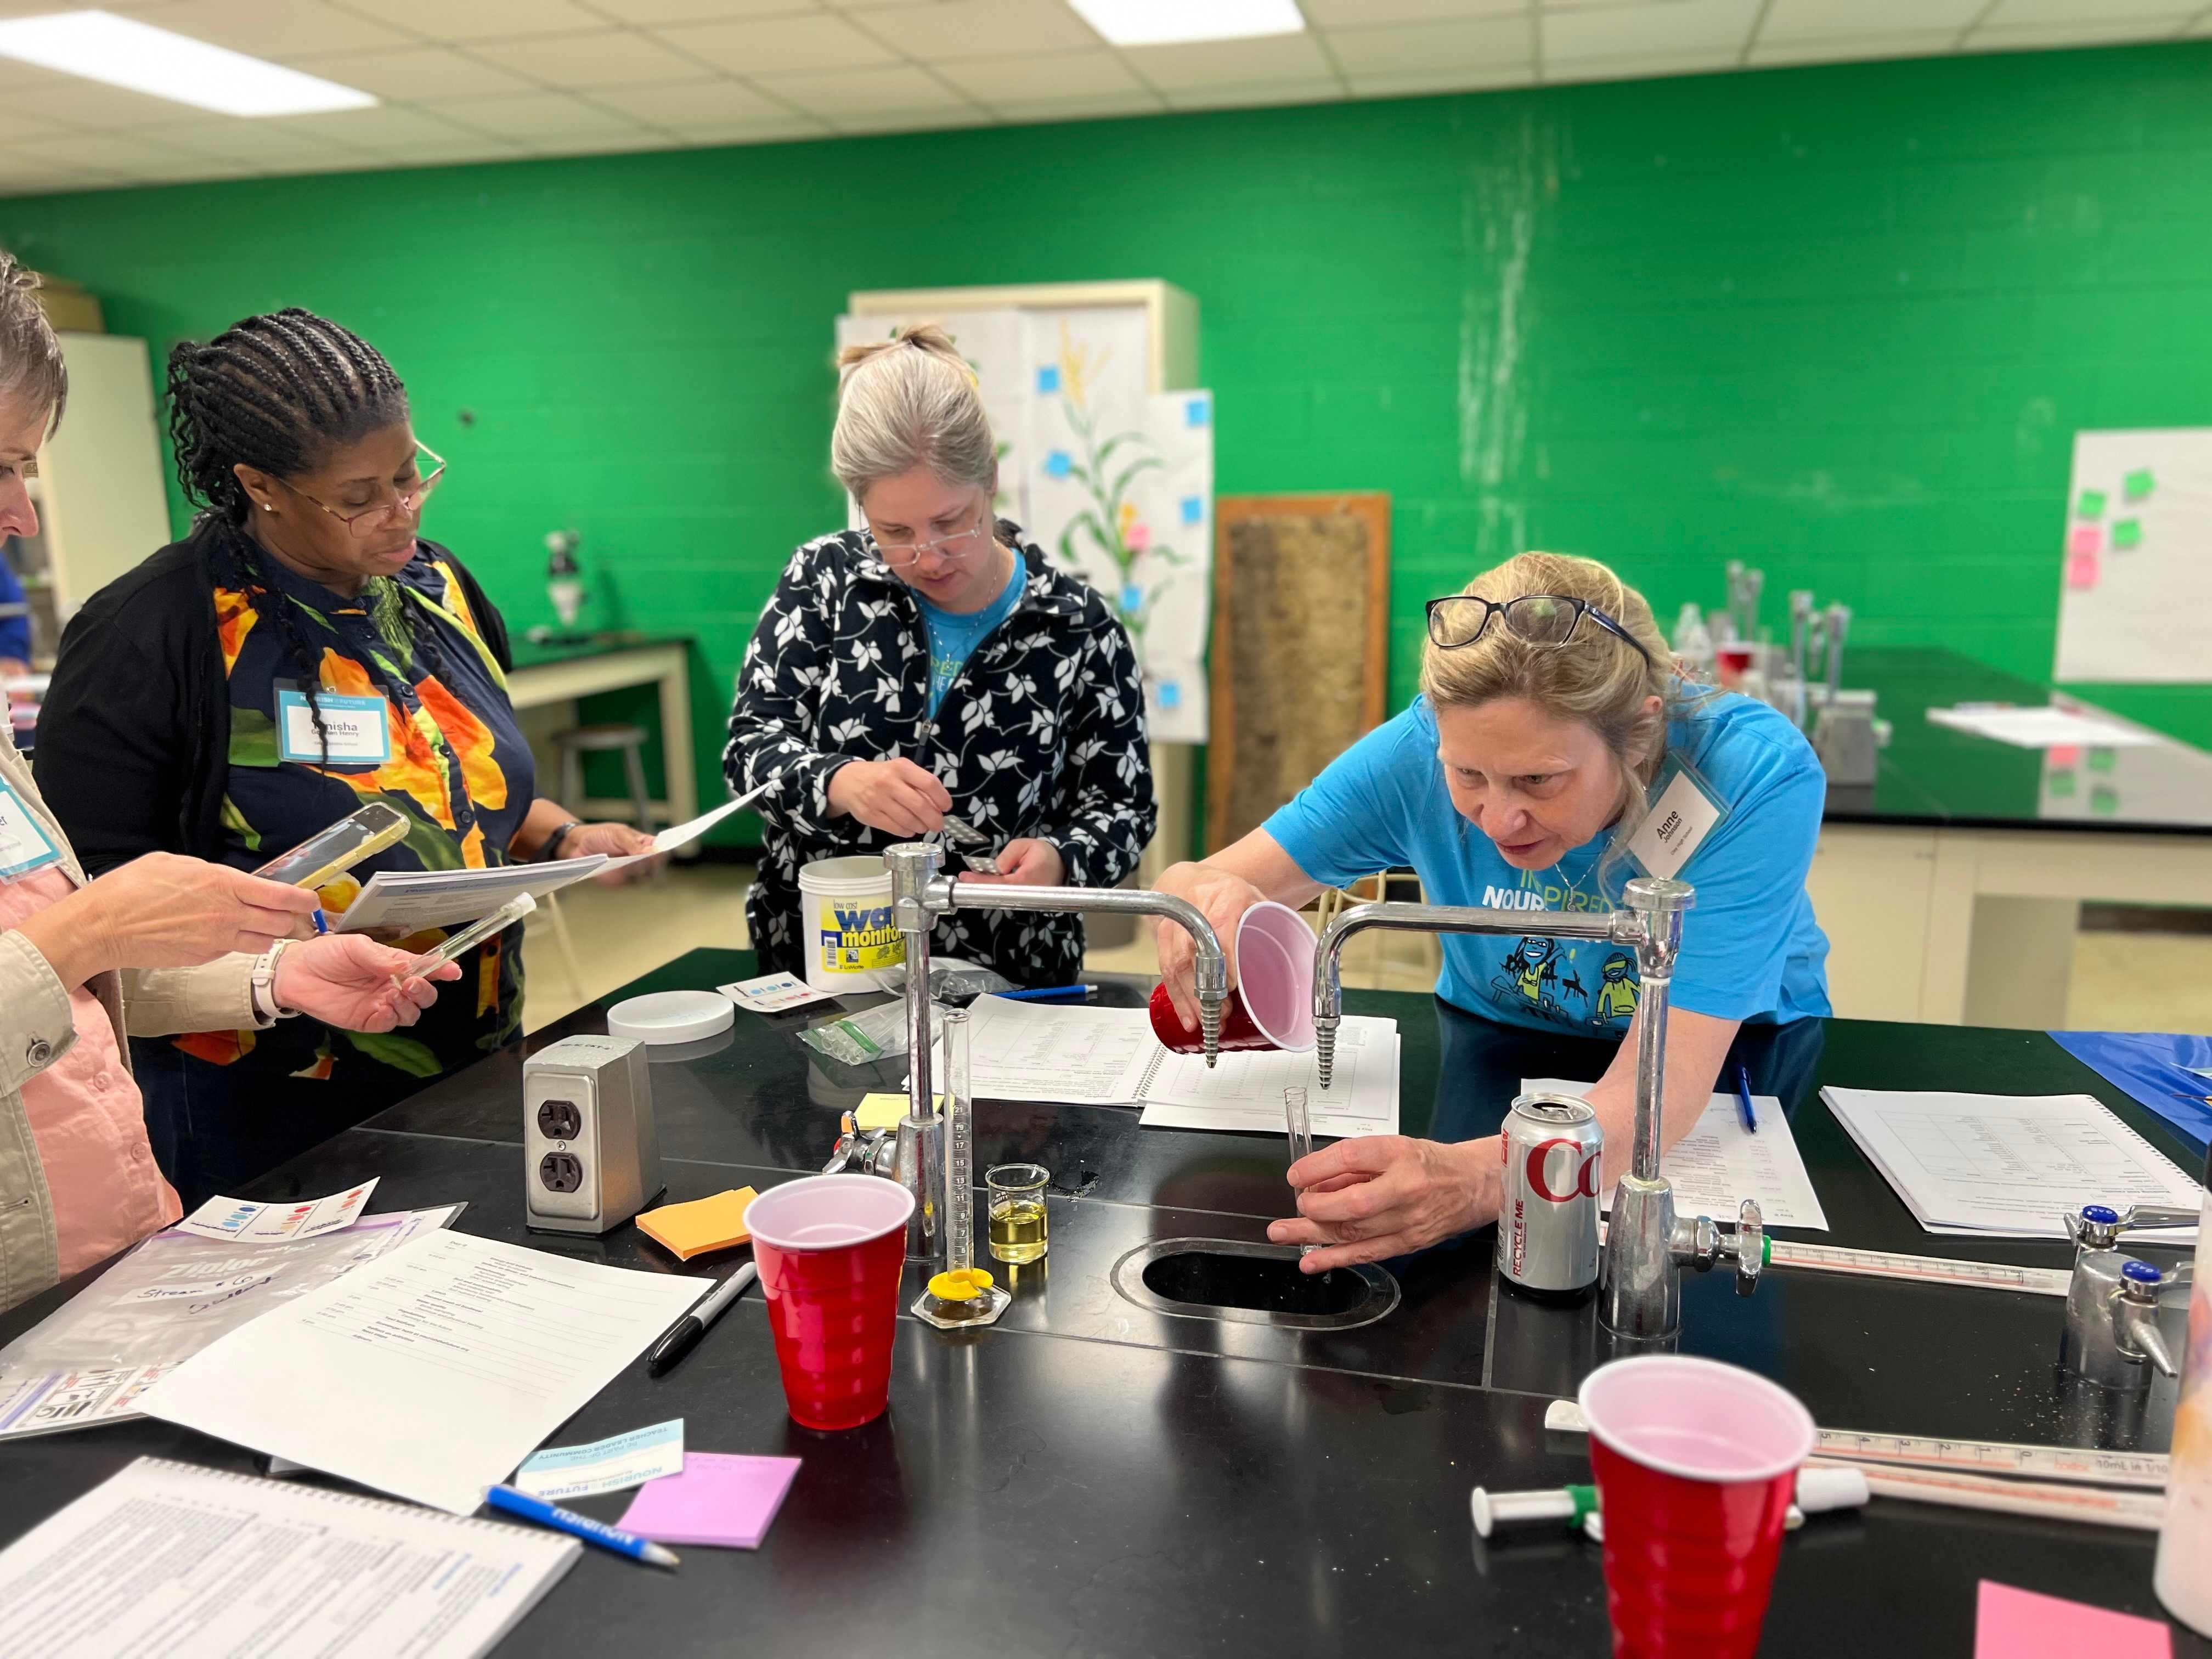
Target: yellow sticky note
[[883, 1111], [702, 1225]]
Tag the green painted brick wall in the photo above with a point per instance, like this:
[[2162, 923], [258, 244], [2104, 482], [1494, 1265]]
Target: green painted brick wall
[[1840, 322]]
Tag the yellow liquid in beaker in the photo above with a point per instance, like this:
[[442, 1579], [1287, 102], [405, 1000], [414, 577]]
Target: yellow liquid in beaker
[[1018, 1229]]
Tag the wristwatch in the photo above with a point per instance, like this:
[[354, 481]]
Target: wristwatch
[[266, 1008], [552, 847]]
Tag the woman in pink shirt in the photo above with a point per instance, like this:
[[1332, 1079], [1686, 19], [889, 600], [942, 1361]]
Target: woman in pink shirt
[[161, 945]]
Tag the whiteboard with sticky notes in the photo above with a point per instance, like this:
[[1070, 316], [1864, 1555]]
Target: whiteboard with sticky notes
[[2134, 563]]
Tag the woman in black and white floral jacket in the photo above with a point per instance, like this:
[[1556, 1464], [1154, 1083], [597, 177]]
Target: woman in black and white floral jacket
[[937, 663]]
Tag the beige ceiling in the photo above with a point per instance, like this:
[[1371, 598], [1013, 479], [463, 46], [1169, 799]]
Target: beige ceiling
[[473, 79]]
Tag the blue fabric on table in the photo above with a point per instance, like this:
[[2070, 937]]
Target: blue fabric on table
[[2170, 1074]]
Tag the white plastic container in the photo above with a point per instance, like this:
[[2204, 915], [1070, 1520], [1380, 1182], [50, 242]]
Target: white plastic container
[[845, 924], [2183, 1576]]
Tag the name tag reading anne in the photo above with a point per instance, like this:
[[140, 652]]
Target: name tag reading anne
[[358, 729], [24, 848], [1682, 815]]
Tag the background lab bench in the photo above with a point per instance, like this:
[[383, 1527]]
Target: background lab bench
[[1088, 1478]]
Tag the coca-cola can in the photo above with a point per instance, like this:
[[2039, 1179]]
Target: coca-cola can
[[1552, 1147]]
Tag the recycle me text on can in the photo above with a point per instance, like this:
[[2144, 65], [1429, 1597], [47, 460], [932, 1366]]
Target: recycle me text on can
[[1554, 1149]]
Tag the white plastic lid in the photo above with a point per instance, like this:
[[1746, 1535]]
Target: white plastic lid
[[667, 1016]]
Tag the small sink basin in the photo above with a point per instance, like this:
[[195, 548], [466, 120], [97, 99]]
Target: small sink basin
[[1228, 1279]]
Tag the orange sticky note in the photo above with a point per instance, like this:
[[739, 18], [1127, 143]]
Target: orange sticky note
[[702, 1225]]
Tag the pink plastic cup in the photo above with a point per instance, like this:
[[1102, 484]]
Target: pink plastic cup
[[1695, 1463], [830, 1249], [1271, 1006]]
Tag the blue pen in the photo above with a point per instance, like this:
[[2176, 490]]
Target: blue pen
[[322, 921], [1050, 994], [1743, 1100], [579, 1526]]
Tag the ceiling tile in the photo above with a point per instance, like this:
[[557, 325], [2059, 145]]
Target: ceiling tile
[[1352, 14], [386, 130], [1040, 79], [2012, 13], [251, 143], [531, 117], [1857, 20], [2033, 36], [1924, 43], [477, 19], [1409, 48], [2203, 25], [898, 89], [653, 13], [415, 72], [1642, 66], [971, 28], [780, 46], [273, 28], [706, 103], [604, 58], [603, 144], [73, 101], [1320, 89], [1417, 83], [865, 119], [1025, 109], [99, 152], [1688, 28], [1272, 60], [788, 125], [25, 175]]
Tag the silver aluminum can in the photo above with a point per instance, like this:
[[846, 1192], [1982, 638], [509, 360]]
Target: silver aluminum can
[[1552, 1148]]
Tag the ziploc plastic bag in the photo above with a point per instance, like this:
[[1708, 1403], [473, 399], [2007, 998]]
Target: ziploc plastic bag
[[861, 1039]]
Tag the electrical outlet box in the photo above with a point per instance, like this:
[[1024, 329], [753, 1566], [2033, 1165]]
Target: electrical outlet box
[[591, 1154]]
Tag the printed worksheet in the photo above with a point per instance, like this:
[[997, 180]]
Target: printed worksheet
[[1718, 1163], [247, 1221], [1076, 1055], [431, 1373], [1245, 1092], [2009, 1164]]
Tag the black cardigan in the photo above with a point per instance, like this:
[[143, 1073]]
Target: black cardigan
[[133, 750]]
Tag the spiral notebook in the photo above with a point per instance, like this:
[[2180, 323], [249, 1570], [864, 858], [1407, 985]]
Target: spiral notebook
[[150, 1563]]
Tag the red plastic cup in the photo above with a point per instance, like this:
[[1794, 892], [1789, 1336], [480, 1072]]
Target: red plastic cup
[[830, 1249], [1272, 1007], [1695, 1463]]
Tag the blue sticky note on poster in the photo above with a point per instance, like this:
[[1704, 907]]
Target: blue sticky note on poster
[[1170, 693], [1131, 596], [1059, 463], [1194, 509], [1197, 411], [1049, 378]]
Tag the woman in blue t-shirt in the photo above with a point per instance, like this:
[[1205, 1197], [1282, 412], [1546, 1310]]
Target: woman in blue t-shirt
[[1550, 718]]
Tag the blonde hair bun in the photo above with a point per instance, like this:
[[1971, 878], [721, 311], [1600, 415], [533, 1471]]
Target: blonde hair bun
[[911, 401]]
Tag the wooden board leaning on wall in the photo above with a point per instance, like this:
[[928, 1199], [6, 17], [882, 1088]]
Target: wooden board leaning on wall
[[1301, 646]]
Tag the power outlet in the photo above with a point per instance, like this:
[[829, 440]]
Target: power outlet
[[560, 1172], [559, 1120], [591, 1157]]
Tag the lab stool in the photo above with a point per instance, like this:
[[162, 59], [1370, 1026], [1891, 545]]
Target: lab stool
[[599, 740]]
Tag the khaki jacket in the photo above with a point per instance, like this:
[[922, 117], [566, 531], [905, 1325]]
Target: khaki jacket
[[36, 1028]]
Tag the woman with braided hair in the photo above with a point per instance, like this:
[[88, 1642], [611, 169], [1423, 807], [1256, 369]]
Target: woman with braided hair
[[192, 712]]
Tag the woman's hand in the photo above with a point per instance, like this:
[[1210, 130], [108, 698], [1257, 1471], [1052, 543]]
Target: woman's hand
[[895, 796], [346, 981], [617, 841], [1026, 863], [166, 911], [1378, 1196], [1224, 899]]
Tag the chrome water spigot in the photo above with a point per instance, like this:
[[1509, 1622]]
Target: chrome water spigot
[[921, 892], [2112, 1335]]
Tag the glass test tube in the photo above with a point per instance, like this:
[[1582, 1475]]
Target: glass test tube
[[1301, 1129]]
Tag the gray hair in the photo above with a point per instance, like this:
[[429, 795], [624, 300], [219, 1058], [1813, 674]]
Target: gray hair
[[907, 402], [32, 372]]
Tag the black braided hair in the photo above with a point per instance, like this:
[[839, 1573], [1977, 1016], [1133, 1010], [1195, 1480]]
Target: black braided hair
[[277, 392]]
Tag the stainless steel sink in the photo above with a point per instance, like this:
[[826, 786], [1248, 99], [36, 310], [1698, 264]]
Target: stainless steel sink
[[1228, 1279]]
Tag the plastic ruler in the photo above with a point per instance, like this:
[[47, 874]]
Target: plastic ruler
[[2075, 1464]]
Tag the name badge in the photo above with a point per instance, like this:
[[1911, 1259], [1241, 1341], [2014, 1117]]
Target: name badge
[[24, 848], [358, 728], [1683, 813]]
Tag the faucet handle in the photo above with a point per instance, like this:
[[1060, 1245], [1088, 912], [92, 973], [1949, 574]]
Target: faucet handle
[[2135, 1315], [2157, 1215], [1750, 1246]]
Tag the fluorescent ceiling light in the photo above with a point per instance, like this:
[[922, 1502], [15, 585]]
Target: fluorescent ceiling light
[[102, 46], [1171, 22]]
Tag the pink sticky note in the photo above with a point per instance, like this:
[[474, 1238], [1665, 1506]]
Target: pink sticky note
[[2085, 539], [2018, 1624], [2063, 755], [2082, 569], [720, 1499]]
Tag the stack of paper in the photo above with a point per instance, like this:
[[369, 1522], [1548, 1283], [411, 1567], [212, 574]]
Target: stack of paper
[[166, 1561], [429, 1374], [1719, 1162], [1086, 1056], [2049, 727], [2007, 1165]]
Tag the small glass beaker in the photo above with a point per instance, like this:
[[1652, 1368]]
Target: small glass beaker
[[1014, 1197]]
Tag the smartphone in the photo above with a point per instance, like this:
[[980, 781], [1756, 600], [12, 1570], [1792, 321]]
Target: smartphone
[[460, 944], [322, 858]]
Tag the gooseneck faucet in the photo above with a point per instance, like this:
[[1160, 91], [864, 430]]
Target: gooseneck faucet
[[1646, 1248]]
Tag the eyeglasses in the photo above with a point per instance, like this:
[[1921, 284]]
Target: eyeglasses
[[961, 544], [384, 515], [1543, 619]]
